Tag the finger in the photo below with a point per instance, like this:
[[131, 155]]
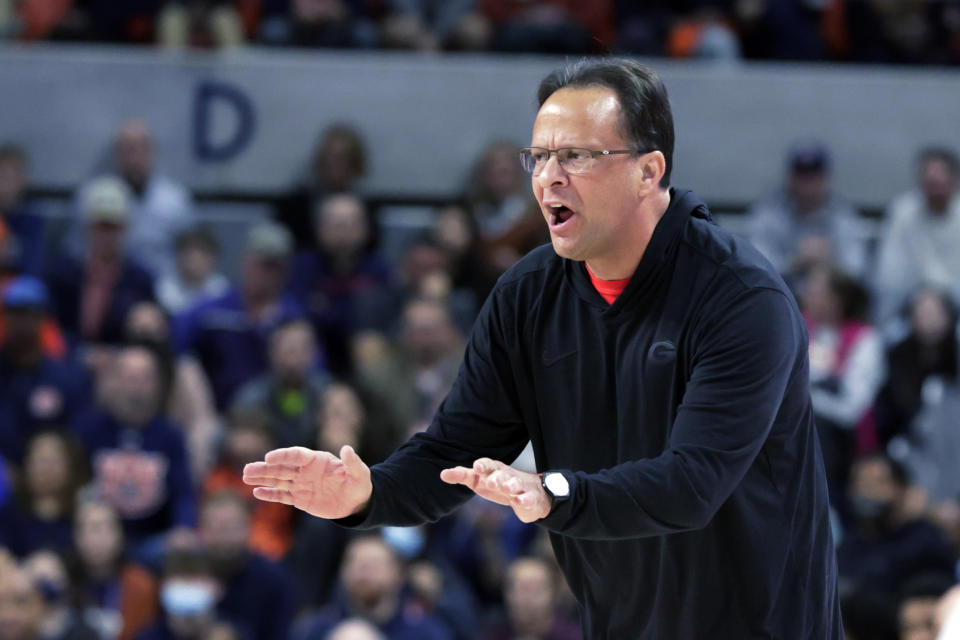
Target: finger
[[460, 475], [295, 456], [486, 465], [504, 481], [352, 463], [269, 471], [273, 495]]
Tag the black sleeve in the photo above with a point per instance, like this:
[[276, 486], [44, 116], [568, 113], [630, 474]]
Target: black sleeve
[[480, 417], [742, 363]]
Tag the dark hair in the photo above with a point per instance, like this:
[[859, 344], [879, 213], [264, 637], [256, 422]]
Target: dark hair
[[853, 296], [898, 471], [10, 151], [941, 154], [356, 149], [199, 235], [647, 121]]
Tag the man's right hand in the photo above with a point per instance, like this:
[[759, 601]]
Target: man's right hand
[[317, 482]]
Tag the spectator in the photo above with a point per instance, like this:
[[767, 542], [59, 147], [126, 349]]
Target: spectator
[[61, 621], [372, 580], [531, 602], [188, 598], [341, 419], [318, 23], [182, 23], [159, 207], [928, 352], [886, 542], [337, 164], [257, 594], [195, 276], [290, 391], [52, 340], [248, 439], [456, 234], [343, 267], [20, 215], [228, 334], [922, 233], [917, 612], [803, 222], [190, 404], [119, 597], [139, 458], [413, 378], [426, 25], [35, 390], [41, 513], [21, 603], [498, 195], [355, 629], [846, 368], [91, 296], [551, 26]]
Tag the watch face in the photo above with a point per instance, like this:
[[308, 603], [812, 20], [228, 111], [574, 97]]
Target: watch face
[[557, 485]]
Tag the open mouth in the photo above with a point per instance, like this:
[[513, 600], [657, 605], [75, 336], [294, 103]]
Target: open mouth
[[559, 214]]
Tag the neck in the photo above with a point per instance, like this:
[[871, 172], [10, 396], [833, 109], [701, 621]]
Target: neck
[[47, 507], [623, 260], [380, 611]]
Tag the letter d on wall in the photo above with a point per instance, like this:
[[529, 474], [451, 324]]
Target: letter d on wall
[[217, 106]]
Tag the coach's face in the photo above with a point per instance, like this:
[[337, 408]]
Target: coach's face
[[601, 204]]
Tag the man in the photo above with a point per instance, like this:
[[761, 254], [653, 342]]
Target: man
[[92, 295], [372, 580], [803, 222], [290, 391], [530, 594], [228, 334], [329, 279], [160, 207], [658, 365], [257, 593], [26, 224], [36, 391], [919, 244], [138, 457]]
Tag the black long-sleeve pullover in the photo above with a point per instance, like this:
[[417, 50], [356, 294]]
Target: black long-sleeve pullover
[[680, 415]]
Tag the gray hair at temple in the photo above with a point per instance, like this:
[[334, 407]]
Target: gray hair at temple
[[647, 121]]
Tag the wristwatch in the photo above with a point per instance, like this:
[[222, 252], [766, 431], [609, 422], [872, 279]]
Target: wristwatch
[[556, 486]]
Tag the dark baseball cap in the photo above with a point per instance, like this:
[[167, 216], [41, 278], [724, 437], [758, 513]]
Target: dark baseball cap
[[809, 157]]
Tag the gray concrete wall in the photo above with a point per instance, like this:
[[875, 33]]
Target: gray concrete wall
[[426, 117]]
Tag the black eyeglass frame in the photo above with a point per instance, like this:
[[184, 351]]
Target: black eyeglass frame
[[594, 154]]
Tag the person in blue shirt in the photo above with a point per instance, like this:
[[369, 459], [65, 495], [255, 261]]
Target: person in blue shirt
[[20, 215], [138, 457], [35, 390], [228, 334], [329, 279], [257, 594], [372, 587]]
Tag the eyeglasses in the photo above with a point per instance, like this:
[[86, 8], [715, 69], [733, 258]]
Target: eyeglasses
[[571, 159]]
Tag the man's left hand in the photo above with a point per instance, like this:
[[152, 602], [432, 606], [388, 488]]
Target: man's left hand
[[497, 482]]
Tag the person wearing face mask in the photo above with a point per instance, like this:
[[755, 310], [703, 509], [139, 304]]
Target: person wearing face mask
[[138, 457], [188, 598], [886, 543]]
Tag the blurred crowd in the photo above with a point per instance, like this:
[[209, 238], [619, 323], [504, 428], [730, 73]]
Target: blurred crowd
[[136, 380], [872, 31]]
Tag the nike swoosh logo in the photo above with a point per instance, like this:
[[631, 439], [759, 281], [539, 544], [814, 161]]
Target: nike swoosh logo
[[549, 360]]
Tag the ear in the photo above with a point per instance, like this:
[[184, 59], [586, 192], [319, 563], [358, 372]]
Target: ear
[[652, 166]]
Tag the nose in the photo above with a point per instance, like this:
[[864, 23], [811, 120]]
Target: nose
[[552, 174]]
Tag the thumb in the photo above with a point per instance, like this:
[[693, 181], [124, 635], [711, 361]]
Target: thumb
[[352, 463]]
